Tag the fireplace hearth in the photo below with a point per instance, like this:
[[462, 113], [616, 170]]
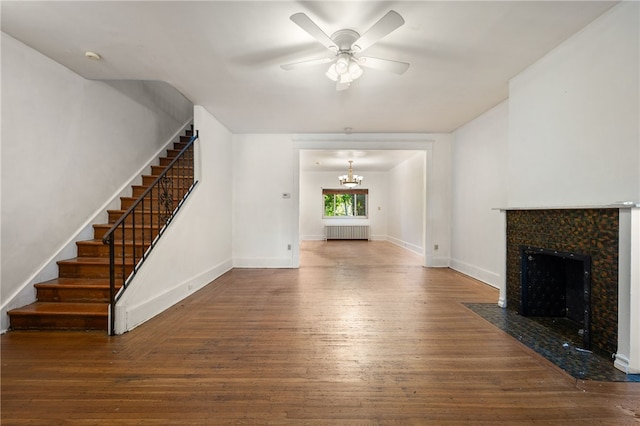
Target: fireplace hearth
[[556, 290]]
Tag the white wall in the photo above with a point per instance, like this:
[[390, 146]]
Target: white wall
[[406, 205], [574, 137], [574, 119], [438, 223], [68, 146], [266, 166], [311, 204], [478, 188], [265, 223], [196, 248]]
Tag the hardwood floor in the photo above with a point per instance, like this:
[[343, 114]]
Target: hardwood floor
[[360, 334]]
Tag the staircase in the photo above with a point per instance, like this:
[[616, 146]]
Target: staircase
[[79, 298]]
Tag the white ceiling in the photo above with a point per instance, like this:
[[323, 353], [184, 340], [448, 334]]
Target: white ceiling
[[226, 56]]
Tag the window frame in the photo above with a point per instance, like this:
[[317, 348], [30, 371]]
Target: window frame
[[350, 191]]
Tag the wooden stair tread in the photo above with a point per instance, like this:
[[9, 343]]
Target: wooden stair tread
[[63, 309], [97, 242], [74, 282], [78, 299], [155, 176], [153, 198], [126, 226], [146, 211], [90, 261]]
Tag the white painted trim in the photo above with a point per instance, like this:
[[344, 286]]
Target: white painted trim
[[634, 294], [373, 141], [133, 316], [622, 363], [502, 283], [411, 247], [312, 238], [263, 262], [428, 210], [48, 270], [436, 262], [295, 209], [367, 141], [487, 277]]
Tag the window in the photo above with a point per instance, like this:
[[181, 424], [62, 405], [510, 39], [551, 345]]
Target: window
[[345, 202]]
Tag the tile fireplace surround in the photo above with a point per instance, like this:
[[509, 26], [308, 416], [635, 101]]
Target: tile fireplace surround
[[610, 236]]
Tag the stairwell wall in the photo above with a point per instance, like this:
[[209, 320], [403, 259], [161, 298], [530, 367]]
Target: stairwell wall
[[196, 247], [68, 145]]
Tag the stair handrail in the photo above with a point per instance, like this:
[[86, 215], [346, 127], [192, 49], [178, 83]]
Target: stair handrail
[[109, 237]]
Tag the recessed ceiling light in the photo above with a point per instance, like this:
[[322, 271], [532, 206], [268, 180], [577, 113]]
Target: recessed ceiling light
[[93, 56]]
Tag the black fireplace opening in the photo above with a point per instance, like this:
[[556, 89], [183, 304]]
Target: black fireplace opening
[[556, 291]]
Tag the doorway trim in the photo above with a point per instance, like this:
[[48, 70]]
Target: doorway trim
[[364, 142]]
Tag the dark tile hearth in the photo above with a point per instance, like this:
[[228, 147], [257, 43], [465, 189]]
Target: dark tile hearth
[[578, 363]]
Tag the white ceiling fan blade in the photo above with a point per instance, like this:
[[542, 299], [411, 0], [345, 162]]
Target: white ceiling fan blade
[[395, 67], [302, 64], [384, 26], [314, 31]]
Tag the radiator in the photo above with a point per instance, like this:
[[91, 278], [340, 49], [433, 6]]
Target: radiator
[[346, 232]]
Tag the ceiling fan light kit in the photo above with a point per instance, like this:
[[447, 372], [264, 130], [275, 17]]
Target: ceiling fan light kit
[[345, 44]]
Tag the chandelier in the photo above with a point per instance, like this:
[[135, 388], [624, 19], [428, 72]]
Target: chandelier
[[350, 180]]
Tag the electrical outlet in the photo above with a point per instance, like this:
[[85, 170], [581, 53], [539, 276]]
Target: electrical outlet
[[288, 246], [435, 247]]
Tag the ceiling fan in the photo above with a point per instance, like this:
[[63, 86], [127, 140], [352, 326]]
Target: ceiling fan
[[345, 45]]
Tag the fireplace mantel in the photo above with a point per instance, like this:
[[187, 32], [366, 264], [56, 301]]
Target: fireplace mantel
[[610, 233], [624, 205]]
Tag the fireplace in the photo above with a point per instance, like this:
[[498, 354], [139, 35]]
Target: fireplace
[[569, 242], [556, 290]]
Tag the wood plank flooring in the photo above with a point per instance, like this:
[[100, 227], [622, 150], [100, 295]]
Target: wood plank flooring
[[360, 334]]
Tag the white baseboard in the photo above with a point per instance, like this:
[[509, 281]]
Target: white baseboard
[[621, 362], [411, 247], [480, 274], [322, 238], [436, 262], [130, 317], [263, 262]]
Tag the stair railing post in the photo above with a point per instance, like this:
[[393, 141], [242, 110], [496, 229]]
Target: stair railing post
[[112, 284]]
